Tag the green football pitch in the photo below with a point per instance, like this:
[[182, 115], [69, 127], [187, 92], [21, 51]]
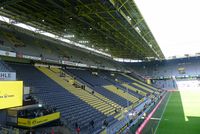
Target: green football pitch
[[181, 114]]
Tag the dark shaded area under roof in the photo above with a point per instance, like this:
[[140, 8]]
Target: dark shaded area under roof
[[116, 26]]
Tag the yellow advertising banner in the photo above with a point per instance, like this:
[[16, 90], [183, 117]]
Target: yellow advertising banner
[[38, 121], [11, 94]]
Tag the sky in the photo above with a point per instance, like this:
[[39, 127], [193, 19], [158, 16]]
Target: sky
[[174, 23]]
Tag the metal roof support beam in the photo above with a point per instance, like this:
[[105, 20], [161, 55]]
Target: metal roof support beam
[[140, 22], [4, 3], [83, 13], [146, 33], [103, 20], [91, 20], [93, 26], [121, 26], [122, 35], [122, 5], [137, 23], [129, 21]]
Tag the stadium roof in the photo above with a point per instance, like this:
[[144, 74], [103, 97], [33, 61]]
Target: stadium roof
[[113, 26]]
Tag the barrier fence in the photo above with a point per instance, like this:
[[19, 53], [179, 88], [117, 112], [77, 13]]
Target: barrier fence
[[151, 126]]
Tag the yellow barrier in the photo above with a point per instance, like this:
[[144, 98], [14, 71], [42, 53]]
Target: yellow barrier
[[11, 94], [38, 121]]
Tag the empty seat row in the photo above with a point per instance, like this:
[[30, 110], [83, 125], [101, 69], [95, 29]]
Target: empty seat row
[[72, 108]]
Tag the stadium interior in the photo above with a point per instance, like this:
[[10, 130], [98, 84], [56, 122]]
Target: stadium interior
[[90, 67]]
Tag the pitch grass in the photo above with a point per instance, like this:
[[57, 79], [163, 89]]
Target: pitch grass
[[182, 114]]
